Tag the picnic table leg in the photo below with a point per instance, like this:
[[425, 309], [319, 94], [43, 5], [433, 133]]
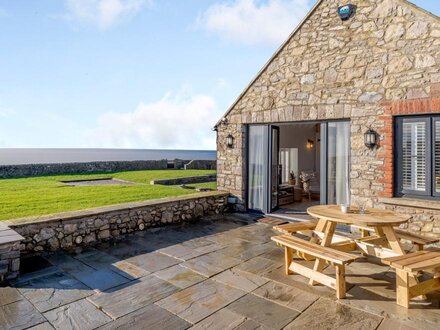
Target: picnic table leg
[[329, 230], [397, 247], [288, 255]]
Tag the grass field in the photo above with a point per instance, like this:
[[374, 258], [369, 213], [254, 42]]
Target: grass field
[[46, 195]]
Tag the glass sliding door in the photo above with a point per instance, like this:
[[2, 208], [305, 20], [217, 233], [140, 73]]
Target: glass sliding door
[[258, 169], [275, 173], [338, 145]]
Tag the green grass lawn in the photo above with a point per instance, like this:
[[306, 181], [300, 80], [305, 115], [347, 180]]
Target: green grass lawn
[[46, 195]]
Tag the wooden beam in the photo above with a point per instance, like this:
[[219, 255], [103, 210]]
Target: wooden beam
[[329, 231], [340, 282], [375, 251], [424, 287], [312, 274], [288, 257]]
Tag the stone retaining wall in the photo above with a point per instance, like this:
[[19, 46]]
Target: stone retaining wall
[[83, 228], [9, 253], [20, 171], [186, 180]]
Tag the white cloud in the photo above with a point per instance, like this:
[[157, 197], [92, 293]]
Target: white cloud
[[254, 21], [180, 121], [103, 13]]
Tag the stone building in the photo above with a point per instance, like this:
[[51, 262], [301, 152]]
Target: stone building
[[309, 109]]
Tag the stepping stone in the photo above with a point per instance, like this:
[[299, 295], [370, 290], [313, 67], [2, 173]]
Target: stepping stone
[[263, 311], [150, 317], [180, 276], [132, 296], [326, 314], [201, 300], [241, 280], [77, 315], [286, 295], [53, 291], [19, 315], [211, 264], [153, 261]]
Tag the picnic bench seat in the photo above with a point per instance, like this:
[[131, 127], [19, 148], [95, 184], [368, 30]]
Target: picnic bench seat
[[418, 240], [411, 264], [336, 258]]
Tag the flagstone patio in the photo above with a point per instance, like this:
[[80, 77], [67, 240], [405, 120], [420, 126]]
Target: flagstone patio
[[221, 273]]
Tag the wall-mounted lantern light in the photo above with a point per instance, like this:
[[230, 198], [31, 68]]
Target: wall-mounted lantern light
[[370, 139], [310, 144], [346, 11], [230, 141]]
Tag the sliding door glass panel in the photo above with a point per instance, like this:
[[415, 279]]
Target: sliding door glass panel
[[338, 163], [275, 173], [258, 167], [414, 135], [437, 155]]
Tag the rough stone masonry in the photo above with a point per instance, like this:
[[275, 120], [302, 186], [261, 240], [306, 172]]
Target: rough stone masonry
[[354, 70]]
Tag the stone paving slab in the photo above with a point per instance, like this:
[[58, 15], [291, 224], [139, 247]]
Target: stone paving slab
[[389, 324], [246, 250], [19, 315], [259, 266], [132, 296], [77, 315], [42, 326], [224, 319], [96, 259], [201, 300], [211, 264], [102, 280], [180, 277], [150, 317], [425, 317], [325, 314], [128, 270], [241, 280], [263, 312], [153, 262], [9, 295], [286, 295], [53, 291]]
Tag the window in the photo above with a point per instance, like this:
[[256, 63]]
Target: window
[[418, 156]]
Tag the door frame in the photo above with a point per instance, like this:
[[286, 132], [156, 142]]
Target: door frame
[[323, 160]]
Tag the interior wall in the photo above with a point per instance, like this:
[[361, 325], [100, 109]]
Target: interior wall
[[296, 136]]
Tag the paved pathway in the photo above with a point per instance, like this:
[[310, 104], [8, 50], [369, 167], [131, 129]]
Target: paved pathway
[[221, 273]]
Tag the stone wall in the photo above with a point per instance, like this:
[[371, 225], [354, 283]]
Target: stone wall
[[83, 228], [334, 70], [186, 180], [201, 165], [9, 253], [20, 171]]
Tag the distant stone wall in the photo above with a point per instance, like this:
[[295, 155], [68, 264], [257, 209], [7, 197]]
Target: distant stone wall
[[20, 171], [201, 165], [186, 180], [84, 228]]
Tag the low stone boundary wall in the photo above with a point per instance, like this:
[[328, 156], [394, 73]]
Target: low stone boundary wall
[[201, 165], [83, 228], [20, 171], [186, 180], [9, 253]]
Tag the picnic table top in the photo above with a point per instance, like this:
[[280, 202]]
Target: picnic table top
[[372, 217]]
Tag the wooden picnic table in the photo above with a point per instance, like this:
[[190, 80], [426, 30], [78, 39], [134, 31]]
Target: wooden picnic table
[[381, 221]]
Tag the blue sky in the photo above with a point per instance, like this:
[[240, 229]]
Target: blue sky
[[132, 73]]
